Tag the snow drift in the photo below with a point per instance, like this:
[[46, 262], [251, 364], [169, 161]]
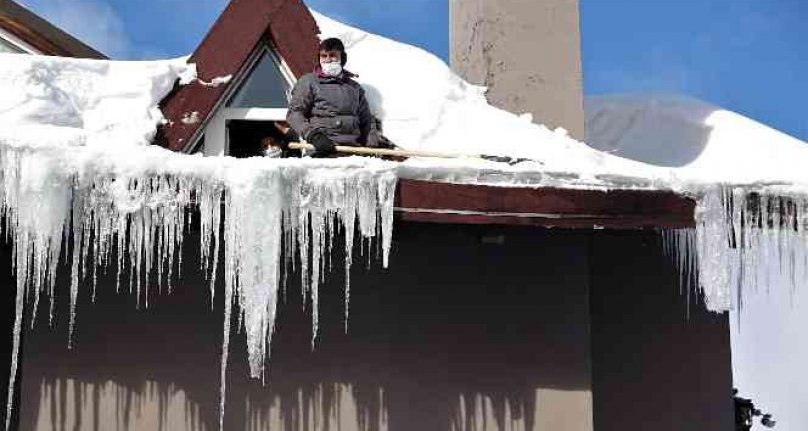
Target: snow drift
[[701, 143]]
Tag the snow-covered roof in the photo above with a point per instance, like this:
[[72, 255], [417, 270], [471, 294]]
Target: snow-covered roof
[[697, 140], [75, 102], [423, 105], [74, 156]]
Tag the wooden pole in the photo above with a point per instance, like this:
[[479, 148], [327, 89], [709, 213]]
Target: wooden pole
[[365, 151]]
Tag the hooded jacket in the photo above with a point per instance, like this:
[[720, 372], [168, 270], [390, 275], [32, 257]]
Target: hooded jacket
[[336, 105]]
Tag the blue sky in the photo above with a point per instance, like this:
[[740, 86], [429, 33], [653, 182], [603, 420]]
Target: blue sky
[[750, 56]]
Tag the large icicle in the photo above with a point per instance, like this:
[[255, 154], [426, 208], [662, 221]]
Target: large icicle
[[135, 205], [745, 239]]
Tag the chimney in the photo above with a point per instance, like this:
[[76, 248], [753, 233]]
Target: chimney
[[528, 54]]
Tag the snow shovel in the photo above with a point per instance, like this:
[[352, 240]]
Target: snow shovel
[[365, 151]]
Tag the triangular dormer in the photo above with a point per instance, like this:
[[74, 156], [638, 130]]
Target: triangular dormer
[[264, 45], [256, 97]]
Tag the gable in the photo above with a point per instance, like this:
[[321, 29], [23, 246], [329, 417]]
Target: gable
[[285, 25]]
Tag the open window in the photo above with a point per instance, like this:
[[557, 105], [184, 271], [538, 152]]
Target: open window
[[260, 96]]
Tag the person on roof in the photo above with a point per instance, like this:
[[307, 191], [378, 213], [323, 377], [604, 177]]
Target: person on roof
[[328, 107]]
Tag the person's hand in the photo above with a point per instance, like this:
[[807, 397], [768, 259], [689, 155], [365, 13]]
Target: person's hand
[[281, 126], [323, 145]]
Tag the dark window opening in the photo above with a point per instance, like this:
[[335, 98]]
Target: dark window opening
[[245, 137]]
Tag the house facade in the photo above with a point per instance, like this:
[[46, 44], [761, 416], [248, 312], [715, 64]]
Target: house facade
[[502, 309]]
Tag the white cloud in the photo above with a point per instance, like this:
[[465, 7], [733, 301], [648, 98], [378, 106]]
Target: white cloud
[[94, 22]]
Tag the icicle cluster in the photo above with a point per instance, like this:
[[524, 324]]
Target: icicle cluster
[[104, 206], [744, 240]]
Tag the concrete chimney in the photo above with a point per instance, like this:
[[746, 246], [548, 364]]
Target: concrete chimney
[[528, 54]]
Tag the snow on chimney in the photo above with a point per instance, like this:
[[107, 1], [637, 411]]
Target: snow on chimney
[[528, 54]]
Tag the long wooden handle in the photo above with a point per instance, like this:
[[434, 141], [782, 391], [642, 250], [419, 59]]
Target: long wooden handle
[[365, 151]]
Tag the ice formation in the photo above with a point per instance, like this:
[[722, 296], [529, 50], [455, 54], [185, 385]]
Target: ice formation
[[119, 199], [142, 213], [744, 240], [749, 181]]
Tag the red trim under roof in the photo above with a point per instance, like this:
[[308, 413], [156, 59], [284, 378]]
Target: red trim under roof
[[286, 24], [424, 201]]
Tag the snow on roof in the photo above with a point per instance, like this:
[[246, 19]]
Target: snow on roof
[[699, 141], [95, 102], [662, 142], [668, 142], [423, 105]]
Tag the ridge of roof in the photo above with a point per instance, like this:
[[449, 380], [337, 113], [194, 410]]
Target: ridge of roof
[[41, 34], [286, 24]]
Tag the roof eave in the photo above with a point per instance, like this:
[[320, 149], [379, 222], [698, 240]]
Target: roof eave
[[41, 34], [434, 202]]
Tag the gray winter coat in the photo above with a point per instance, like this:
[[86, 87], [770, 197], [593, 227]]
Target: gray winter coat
[[337, 105]]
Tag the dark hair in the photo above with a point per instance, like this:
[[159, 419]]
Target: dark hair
[[334, 44]]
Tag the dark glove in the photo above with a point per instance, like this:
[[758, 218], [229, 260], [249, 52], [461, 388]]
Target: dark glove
[[323, 145], [291, 136], [383, 142]]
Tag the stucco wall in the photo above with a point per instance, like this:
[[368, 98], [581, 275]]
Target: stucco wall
[[526, 52], [470, 328]]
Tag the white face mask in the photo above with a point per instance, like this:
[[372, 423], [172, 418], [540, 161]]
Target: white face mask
[[331, 69]]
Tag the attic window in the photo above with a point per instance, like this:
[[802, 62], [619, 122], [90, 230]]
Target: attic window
[[264, 86], [261, 96]]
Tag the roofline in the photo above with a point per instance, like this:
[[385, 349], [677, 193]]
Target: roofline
[[41, 34]]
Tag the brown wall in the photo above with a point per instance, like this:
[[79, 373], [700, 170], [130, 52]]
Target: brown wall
[[470, 328], [658, 364]]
